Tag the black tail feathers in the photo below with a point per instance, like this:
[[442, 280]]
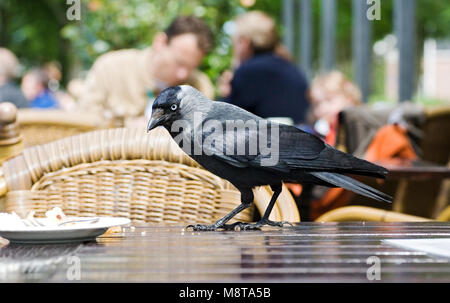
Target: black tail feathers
[[352, 185]]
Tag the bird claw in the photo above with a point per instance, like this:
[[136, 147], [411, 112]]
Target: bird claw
[[201, 227], [237, 226], [255, 226], [274, 223]]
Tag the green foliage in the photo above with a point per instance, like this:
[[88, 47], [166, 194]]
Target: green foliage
[[30, 29]]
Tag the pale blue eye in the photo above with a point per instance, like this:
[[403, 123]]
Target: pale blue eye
[[173, 107]]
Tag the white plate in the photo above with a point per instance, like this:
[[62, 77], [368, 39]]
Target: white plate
[[80, 232]]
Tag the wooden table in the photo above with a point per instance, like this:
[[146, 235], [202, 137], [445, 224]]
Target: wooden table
[[307, 252], [411, 183], [415, 170]]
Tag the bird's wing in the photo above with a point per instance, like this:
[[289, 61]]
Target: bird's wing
[[295, 148], [297, 144], [222, 145], [291, 149], [285, 144], [302, 151]]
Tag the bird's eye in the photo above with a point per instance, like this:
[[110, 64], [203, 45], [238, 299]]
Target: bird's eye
[[173, 107]]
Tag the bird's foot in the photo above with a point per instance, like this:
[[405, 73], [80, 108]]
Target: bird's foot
[[234, 226], [237, 226], [254, 226], [263, 222], [201, 227]]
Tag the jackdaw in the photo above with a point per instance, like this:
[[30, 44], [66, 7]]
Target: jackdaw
[[250, 151]]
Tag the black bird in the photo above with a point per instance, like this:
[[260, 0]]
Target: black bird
[[250, 151]]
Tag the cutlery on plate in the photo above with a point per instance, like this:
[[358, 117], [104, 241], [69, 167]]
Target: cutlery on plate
[[90, 220], [32, 222]]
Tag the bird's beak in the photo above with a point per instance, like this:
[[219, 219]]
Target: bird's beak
[[156, 119]]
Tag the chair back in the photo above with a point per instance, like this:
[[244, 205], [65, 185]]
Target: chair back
[[118, 172], [39, 126], [436, 135]]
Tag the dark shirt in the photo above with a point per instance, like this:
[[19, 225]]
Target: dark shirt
[[269, 86], [11, 93]]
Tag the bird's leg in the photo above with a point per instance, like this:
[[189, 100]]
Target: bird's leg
[[246, 201], [265, 218]]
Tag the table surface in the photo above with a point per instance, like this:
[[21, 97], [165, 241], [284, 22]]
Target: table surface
[[306, 252]]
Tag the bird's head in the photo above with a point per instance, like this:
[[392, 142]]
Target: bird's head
[[173, 103]]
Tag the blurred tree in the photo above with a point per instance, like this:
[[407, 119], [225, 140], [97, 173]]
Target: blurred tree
[[31, 29]]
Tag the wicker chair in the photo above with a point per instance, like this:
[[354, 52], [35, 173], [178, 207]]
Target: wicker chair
[[435, 147], [410, 194], [364, 213], [125, 172], [44, 126]]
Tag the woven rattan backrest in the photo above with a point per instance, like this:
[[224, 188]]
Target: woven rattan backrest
[[44, 126], [124, 172]]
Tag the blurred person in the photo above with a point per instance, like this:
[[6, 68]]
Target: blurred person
[[123, 83], [265, 81], [330, 93], [35, 88], [9, 92], [65, 100]]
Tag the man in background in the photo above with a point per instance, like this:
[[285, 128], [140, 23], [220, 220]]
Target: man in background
[[9, 92], [265, 82], [122, 83]]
